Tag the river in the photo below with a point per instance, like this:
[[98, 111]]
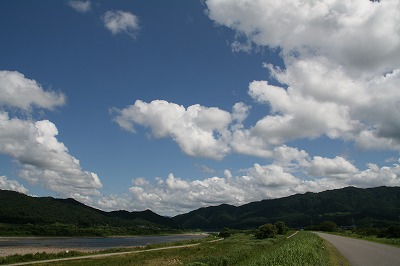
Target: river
[[91, 243]]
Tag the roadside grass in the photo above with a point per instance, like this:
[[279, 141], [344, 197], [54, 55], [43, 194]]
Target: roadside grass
[[235, 250], [382, 240], [334, 257], [305, 248]]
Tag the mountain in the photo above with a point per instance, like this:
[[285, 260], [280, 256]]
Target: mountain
[[348, 206], [17, 208]]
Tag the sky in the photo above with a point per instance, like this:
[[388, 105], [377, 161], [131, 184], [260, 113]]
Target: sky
[[176, 105]]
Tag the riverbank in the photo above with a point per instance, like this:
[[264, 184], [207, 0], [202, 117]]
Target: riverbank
[[31, 245], [8, 251]]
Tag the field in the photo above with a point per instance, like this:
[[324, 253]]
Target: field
[[304, 248]]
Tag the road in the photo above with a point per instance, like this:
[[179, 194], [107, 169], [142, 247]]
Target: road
[[364, 253]]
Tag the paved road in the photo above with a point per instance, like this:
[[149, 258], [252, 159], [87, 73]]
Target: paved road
[[364, 253]]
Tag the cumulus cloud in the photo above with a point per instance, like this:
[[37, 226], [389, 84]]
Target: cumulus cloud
[[43, 159], [174, 195], [80, 6], [34, 146], [11, 185], [341, 73], [340, 79], [23, 93], [337, 167], [325, 89], [331, 28], [198, 130], [121, 22]]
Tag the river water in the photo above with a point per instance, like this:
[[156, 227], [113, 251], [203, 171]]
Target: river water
[[89, 243]]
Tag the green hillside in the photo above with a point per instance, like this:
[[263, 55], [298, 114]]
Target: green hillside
[[347, 207], [372, 207], [50, 216]]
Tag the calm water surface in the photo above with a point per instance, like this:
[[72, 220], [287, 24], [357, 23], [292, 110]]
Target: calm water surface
[[91, 242]]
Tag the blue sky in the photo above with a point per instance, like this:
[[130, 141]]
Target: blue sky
[[174, 105]]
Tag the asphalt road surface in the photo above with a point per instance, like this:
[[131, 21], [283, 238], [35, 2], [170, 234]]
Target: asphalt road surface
[[364, 253]]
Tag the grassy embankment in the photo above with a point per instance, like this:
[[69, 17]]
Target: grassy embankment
[[382, 240], [304, 248]]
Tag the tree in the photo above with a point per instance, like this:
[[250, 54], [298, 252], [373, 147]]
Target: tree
[[266, 231], [225, 233], [328, 226], [281, 227]]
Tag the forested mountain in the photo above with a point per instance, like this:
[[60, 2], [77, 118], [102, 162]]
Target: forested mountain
[[347, 207], [19, 209]]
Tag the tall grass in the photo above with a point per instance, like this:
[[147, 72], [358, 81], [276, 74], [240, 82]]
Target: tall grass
[[303, 249]]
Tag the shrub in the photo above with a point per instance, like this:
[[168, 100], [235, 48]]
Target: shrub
[[281, 227], [266, 231], [393, 231], [225, 233]]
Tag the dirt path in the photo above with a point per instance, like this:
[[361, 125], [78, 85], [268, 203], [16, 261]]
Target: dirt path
[[364, 253], [109, 254]]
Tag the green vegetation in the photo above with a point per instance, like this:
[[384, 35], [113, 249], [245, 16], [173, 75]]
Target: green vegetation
[[386, 236], [38, 256], [348, 207], [304, 248], [58, 229], [281, 227], [266, 231], [22, 215], [325, 226], [345, 207]]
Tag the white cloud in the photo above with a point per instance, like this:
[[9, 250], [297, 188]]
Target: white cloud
[[291, 159], [295, 116], [375, 176], [342, 68], [326, 167], [11, 185], [80, 6], [331, 28], [33, 144], [198, 130], [340, 79], [240, 111], [18, 91], [43, 159], [175, 195], [121, 22]]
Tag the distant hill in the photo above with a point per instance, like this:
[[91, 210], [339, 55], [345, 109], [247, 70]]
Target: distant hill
[[19, 209], [348, 206]]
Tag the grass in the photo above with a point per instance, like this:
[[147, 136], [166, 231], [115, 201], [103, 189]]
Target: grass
[[304, 248], [382, 240], [48, 256]]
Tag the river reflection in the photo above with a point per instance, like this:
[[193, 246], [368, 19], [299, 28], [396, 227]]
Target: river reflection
[[94, 243]]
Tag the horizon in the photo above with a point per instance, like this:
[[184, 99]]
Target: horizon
[[173, 106], [168, 216]]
